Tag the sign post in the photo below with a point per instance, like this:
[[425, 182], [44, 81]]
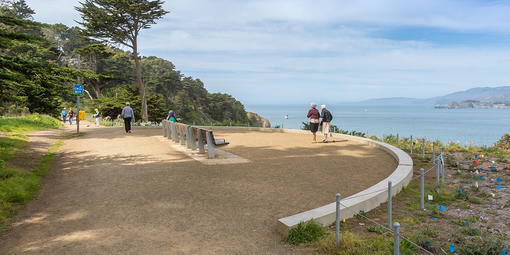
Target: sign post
[[78, 90]]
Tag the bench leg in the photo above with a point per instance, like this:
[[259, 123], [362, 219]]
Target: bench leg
[[210, 145]]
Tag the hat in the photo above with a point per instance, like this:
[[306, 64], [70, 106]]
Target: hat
[[127, 103], [323, 106]]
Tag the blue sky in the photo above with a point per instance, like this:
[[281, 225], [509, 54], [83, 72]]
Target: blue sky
[[297, 51]]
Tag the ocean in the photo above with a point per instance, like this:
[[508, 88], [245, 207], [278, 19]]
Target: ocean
[[476, 126]]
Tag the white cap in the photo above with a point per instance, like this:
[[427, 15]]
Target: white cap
[[323, 106]]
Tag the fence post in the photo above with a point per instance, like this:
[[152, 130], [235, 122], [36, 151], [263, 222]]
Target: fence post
[[397, 144], [411, 145], [183, 135], [422, 188], [210, 145], [188, 141], [423, 148], [442, 166], [396, 238], [169, 130], [174, 132], [201, 148], [437, 171], [434, 151], [192, 138], [164, 129], [337, 231], [390, 223]]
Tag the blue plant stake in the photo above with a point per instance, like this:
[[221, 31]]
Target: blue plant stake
[[467, 223], [481, 177], [476, 156], [503, 252], [499, 186], [492, 168], [460, 190], [452, 248], [498, 180], [441, 208], [508, 202], [427, 243], [476, 177], [434, 218]]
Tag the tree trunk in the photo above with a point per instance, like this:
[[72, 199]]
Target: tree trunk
[[141, 86]]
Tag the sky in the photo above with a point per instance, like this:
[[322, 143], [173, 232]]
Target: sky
[[326, 51]]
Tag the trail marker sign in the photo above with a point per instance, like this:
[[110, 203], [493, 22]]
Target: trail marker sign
[[78, 89]]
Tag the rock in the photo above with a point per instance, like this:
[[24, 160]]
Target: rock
[[257, 121]]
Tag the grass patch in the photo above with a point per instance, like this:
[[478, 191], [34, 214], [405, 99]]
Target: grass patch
[[305, 232], [18, 186], [376, 229]]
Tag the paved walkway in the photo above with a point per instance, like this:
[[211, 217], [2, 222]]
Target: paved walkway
[[112, 193]]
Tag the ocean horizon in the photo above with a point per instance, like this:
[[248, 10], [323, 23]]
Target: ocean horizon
[[466, 126]]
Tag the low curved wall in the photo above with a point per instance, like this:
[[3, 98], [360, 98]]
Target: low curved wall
[[365, 200]]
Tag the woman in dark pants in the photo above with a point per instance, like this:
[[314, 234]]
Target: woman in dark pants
[[314, 116]]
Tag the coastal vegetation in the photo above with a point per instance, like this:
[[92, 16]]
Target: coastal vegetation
[[39, 66]]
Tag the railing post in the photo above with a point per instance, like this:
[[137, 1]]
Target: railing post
[[201, 148], [174, 131], [165, 134], [422, 188], [169, 130], [188, 137], [337, 230], [210, 145], [390, 223], [396, 238], [411, 145]]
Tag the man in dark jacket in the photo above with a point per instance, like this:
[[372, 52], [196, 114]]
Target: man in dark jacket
[[327, 117], [128, 115]]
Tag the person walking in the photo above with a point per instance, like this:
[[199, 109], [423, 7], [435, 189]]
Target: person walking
[[327, 117], [314, 116], [71, 115], [97, 115], [63, 114], [128, 115], [171, 116]]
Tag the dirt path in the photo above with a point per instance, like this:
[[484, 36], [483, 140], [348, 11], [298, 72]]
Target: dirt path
[[111, 193], [38, 144]]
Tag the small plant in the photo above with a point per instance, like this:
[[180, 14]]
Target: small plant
[[376, 229], [474, 200], [470, 231], [430, 233], [305, 232], [361, 215]]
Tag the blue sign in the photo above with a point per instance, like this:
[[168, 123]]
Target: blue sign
[[78, 89]]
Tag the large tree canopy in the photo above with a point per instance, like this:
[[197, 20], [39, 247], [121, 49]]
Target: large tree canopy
[[121, 22]]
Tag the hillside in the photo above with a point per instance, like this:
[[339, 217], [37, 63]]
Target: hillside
[[481, 97]]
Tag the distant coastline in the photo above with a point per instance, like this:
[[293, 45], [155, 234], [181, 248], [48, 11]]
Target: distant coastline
[[476, 104]]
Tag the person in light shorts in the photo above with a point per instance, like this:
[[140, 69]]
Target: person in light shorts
[[327, 117]]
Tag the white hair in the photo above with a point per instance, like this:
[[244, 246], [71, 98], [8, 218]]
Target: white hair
[[313, 105], [323, 106]]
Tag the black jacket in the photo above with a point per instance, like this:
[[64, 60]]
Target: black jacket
[[326, 116]]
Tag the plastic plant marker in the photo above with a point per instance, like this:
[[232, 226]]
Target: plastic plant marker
[[498, 180], [434, 218], [452, 248], [450, 185], [460, 190], [343, 220], [442, 208], [476, 156], [430, 197], [503, 252], [476, 184], [475, 163], [467, 223], [508, 202], [481, 177], [476, 177], [427, 243], [492, 180], [499, 186]]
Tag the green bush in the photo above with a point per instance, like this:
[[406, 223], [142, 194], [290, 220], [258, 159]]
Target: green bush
[[305, 232]]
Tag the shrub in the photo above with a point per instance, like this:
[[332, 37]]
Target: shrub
[[305, 232], [470, 231]]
